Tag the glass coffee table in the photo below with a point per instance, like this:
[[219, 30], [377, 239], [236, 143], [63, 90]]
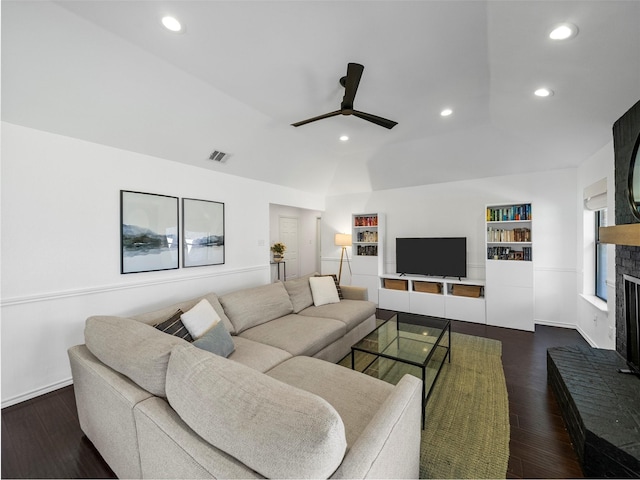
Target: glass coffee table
[[406, 343]]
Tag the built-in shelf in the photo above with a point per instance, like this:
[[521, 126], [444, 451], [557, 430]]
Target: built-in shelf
[[509, 265], [509, 232], [368, 251]]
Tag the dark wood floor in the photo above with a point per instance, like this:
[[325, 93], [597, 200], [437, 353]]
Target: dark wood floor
[[540, 446], [41, 438]]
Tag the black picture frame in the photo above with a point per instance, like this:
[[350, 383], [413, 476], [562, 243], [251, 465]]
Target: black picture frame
[[149, 233], [202, 232]]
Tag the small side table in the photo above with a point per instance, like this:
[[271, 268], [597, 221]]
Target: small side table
[[284, 269]]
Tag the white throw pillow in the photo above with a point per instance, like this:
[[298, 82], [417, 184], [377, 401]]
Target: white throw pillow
[[200, 319], [323, 290]]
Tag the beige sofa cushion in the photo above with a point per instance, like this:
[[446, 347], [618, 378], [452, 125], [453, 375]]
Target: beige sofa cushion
[[355, 396], [276, 429], [254, 306], [299, 292], [351, 312], [296, 334], [132, 348], [256, 355]]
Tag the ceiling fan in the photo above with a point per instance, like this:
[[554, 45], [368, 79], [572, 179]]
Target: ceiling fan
[[350, 84]]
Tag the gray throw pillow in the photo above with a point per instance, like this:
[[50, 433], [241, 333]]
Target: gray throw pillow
[[217, 340]]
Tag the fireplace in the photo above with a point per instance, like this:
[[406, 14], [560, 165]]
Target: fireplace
[[599, 402], [631, 351]]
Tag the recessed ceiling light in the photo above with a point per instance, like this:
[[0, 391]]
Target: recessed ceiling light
[[543, 92], [344, 138], [563, 31], [446, 112], [170, 23]]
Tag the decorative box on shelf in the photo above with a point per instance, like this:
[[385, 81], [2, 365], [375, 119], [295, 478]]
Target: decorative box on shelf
[[427, 287], [395, 284], [460, 290]]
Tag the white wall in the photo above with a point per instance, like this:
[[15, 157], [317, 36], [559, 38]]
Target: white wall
[[60, 241], [596, 320], [458, 209], [61, 246]]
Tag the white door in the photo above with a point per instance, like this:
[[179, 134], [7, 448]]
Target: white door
[[289, 236]]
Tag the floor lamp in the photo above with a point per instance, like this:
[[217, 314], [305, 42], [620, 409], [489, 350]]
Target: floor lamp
[[343, 240]]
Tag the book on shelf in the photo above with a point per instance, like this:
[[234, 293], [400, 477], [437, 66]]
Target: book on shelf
[[505, 235], [367, 250], [367, 237], [366, 221], [509, 213], [508, 253]]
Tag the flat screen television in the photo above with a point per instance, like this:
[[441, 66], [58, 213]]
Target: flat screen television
[[431, 256]]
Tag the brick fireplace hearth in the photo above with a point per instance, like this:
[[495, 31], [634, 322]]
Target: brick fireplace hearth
[[601, 409]]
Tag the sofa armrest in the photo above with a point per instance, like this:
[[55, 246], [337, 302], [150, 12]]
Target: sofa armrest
[[170, 449], [105, 401], [389, 446], [351, 292]]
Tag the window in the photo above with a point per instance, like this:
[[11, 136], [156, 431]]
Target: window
[[601, 256]]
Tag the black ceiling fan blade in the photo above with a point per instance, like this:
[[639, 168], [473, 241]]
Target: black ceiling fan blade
[[352, 80], [383, 122], [319, 117]]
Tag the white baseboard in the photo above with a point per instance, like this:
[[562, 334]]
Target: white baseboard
[[36, 393], [586, 337], [555, 324], [570, 326]]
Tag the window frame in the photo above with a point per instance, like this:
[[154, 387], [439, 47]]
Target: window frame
[[600, 260]]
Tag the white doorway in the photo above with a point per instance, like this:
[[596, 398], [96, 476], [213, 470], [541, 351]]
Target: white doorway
[[288, 234], [302, 256]]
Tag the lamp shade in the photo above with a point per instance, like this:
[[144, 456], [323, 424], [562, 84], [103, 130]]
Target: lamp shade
[[343, 240]]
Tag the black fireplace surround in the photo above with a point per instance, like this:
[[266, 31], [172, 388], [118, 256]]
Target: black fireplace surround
[[600, 406]]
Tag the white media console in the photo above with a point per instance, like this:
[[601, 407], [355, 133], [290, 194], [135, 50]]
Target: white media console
[[440, 297]]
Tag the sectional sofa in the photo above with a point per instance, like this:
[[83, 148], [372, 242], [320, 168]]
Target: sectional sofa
[[273, 405]]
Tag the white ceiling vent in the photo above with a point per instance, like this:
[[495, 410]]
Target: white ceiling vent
[[218, 156]]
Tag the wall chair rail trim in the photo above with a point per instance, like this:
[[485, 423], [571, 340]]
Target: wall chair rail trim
[[43, 297]]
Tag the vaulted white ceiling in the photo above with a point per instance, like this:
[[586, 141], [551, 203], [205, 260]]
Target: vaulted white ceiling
[[243, 71]]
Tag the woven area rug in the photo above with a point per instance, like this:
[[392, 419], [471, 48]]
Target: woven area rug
[[467, 417], [466, 431]]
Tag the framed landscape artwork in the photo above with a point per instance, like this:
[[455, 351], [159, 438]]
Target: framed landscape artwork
[[203, 232], [149, 239]]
